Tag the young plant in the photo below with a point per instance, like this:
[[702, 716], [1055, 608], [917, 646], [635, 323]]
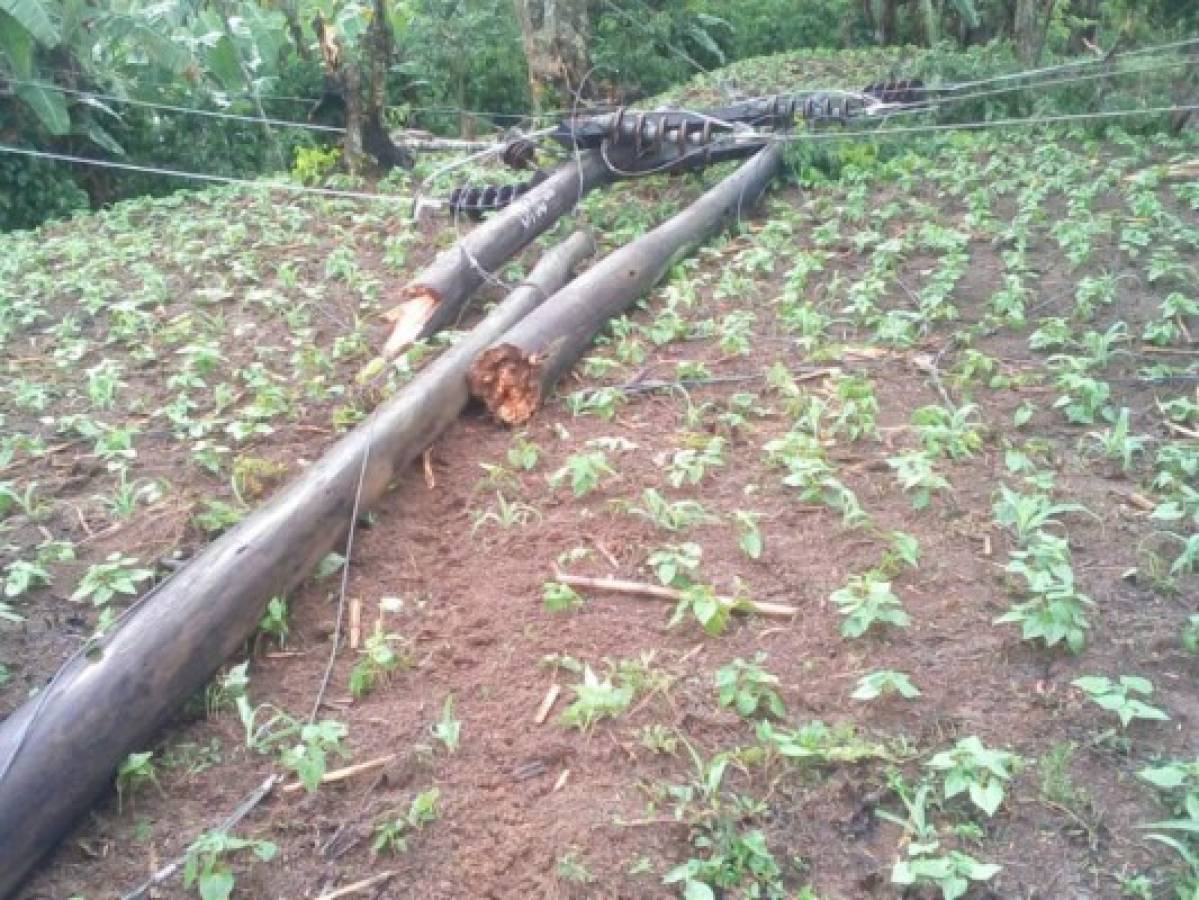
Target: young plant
[[1118, 697], [206, 864], [378, 660], [918, 478], [866, 601], [949, 432], [596, 700], [274, 621], [951, 873], [135, 770], [976, 770], [392, 834], [309, 758], [747, 687], [585, 472], [447, 729], [1117, 442], [559, 597], [885, 682], [118, 575]]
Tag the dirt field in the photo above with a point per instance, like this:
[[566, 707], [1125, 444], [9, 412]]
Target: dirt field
[[935, 309]]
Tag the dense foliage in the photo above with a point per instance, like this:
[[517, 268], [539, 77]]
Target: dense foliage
[[254, 57]]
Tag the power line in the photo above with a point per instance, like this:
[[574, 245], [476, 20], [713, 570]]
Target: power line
[[198, 176], [940, 102], [960, 126], [189, 110], [1076, 64]]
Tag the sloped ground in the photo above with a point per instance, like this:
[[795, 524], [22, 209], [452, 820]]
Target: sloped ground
[[945, 322]]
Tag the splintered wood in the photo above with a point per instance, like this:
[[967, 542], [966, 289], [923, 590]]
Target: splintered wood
[[509, 381]]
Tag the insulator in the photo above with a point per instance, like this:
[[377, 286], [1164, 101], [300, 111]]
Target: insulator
[[520, 153], [898, 90], [474, 201]]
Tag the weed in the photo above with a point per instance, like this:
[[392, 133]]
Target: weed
[[678, 515], [657, 738], [749, 535], [570, 867], [918, 477], [504, 514], [953, 433]]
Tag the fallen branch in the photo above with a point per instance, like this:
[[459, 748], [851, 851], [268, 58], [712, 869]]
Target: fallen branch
[[111, 701], [344, 773], [657, 592], [514, 376]]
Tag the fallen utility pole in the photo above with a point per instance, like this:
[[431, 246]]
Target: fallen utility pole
[[514, 376], [60, 751], [436, 297]]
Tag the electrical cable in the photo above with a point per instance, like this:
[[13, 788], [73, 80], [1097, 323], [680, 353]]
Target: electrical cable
[[198, 176]]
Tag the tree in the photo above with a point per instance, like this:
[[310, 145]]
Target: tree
[[359, 77], [555, 35], [1031, 27]]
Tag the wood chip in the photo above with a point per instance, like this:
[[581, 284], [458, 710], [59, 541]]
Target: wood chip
[[358, 886], [355, 623], [551, 697], [562, 779], [427, 462]]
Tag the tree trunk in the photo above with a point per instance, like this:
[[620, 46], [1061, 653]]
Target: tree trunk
[[514, 376], [292, 17], [60, 751], [1030, 29], [888, 18], [929, 19], [556, 34], [380, 47], [365, 132]]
